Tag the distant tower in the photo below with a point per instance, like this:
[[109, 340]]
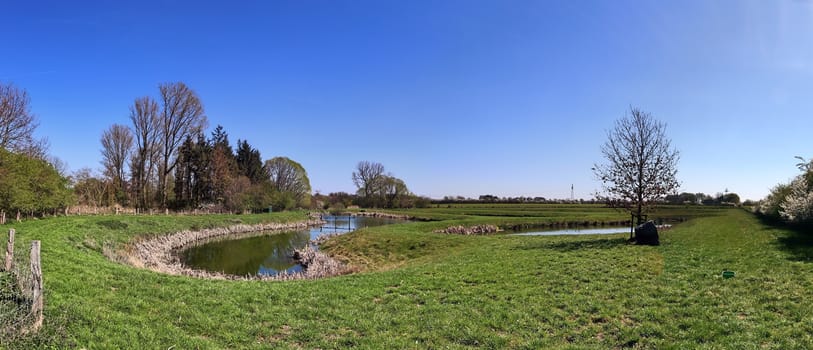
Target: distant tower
[[571, 193]]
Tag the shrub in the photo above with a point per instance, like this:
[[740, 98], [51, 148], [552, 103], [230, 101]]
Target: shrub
[[798, 204]]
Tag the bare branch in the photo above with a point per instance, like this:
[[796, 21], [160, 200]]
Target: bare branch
[[117, 143], [181, 115], [17, 123]]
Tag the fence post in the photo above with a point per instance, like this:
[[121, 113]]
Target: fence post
[[10, 250], [36, 286]]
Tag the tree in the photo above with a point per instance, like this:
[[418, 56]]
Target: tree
[[117, 143], [339, 200], [89, 189], [249, 162], [367, 178], [288, 177], [236, 197], [393, 190], [641, 163], [17, 123], [144, 116], [30, 185], [193, 173], [730, 197], [181, 115]]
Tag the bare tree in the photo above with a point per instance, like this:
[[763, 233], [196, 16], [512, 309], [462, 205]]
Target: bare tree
[[60, 166], [89, 189], [367, 177], [641, 163], [144, 116], [117, 143], [17, 123], [181, 115], [288, 176], [36, 148]]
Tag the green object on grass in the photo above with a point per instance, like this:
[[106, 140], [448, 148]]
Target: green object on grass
[[728, 274]]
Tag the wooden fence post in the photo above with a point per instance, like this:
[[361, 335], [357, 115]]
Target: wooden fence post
[[36, 286], [10, 250]]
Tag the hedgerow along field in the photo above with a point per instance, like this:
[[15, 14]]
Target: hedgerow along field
[[419, 289]]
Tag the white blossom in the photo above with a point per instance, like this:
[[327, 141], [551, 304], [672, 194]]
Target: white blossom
[[798, 205]]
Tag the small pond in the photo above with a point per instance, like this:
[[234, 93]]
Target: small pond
[[574, 231], [268, 254], [662, 223]]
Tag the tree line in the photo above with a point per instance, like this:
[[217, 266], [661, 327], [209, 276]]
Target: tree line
[[31, 181], [163, 159], [375, 188]]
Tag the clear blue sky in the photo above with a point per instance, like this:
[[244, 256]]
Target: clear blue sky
[[455, 97]]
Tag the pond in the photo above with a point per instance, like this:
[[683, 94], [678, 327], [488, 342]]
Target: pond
[[268, 254], [574, 231], [662, 224]]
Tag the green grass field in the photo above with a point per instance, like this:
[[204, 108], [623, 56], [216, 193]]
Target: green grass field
[[424, 290]]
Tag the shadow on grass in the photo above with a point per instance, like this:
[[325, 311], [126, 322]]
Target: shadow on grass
[[568, 245], [798, 241]]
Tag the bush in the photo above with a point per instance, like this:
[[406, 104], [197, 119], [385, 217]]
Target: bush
[[791, 202], [798, 204], [772, 205]]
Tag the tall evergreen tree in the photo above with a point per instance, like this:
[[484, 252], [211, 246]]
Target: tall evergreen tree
[[223, 165], [249, 162], [193, 175]]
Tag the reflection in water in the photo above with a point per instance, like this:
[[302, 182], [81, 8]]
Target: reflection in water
[[268, 254], [349, 223], [575, 231]]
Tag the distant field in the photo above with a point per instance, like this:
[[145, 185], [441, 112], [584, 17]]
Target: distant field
[[425, 290], [551, 212]]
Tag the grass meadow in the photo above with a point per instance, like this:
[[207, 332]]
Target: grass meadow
[[419, 289]]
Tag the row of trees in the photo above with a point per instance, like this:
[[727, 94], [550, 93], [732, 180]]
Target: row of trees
[[377, 189], [31, 182], [490, 198], [208, 173], [163, 159], [158, 129], [726, 198]]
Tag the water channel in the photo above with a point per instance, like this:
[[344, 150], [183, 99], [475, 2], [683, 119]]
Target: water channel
[[574, 231], [268, 254]]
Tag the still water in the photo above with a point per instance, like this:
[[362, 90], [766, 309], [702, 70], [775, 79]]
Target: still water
[[268, 254], [575, 231]]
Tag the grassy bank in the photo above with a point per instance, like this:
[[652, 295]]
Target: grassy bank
[[424, 290]]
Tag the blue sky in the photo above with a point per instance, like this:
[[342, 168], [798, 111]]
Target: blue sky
[[455, 97]]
